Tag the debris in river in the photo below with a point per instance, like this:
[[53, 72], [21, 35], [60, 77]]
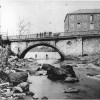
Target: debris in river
[[44, 98], [72, 90], [71, 79], [41, 72]]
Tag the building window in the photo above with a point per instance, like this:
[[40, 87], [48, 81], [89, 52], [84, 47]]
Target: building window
[[91, 26], [78, 25], [91, 17]]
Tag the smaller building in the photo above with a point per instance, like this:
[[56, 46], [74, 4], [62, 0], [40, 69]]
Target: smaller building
[[82, 21]]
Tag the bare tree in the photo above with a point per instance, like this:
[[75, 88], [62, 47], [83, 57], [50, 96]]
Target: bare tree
[[23, 29]]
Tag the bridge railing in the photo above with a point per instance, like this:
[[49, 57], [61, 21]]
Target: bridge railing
[[50, 35], [33, 36]]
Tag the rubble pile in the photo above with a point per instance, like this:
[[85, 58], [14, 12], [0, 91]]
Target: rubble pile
[[5, 53], [13, 78], [3, 57], [22, 63], [14, 85]]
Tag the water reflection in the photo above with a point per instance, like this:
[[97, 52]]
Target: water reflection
[[43, 55]]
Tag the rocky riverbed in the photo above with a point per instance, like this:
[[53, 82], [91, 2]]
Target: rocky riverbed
[[27, 79], [15, 76]]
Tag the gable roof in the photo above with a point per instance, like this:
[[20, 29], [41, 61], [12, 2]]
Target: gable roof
[[85, 11]]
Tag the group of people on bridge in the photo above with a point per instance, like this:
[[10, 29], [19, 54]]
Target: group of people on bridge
[[47, 34], [44, 34]]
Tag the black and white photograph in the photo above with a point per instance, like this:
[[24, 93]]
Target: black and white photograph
[[49, 49]]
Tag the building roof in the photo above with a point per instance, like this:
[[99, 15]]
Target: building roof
[[85, 11]]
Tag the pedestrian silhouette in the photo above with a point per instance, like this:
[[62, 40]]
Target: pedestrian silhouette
[[37, 35], [36, 56], [46, 56]]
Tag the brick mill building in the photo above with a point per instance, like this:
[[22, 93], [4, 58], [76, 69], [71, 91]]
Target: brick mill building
[[84, 26], [83, 21]]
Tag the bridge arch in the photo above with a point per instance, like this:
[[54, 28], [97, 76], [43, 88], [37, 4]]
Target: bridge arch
[[41, 44]]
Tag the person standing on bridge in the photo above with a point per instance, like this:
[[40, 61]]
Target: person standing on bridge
[[44, 34], [37, 35], [40, 34]]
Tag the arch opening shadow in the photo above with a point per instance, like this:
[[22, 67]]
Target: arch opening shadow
[[22, 55]]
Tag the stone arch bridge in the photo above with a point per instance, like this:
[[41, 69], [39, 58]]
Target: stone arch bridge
[[42, 44], [64, 43]]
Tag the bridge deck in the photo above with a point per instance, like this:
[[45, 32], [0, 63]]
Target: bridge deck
[[49, 36]]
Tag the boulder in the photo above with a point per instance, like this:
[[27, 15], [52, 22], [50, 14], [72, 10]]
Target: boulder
[[44, 98], [12, 58], [4, 85], [19, 95], [11, 98], [72, 90], [60, 73], [19, 70], [30, 93], [56, 74], [41, 72], [31, 72], [1, 80], [71, 79], [46, 67], [4, 76], [8, 93], [17, 89], [18, 77], [68, 70], [24, 86]]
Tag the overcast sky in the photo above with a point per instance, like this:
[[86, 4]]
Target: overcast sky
[[44, 15]]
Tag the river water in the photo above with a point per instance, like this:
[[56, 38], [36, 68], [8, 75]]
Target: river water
[[42, 55], [42, 86]]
